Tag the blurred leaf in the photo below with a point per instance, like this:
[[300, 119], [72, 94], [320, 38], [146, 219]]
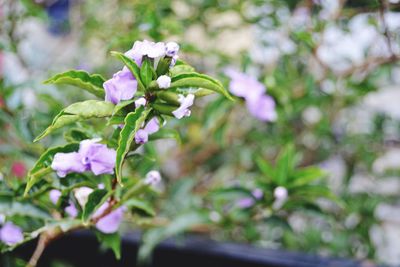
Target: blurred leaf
[[166, 133], [9, 207], [141, 205], [112, 241]]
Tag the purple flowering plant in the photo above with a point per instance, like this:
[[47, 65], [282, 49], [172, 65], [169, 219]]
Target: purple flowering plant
[[82, 184]]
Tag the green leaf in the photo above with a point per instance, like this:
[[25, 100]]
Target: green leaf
[[132, 66], [93, 83], [178, 69], [146, 72], [166, 133], [286, 163], [95, 200], [190, 80], [121, 105], [133, 121], [76, 135], [141, 205], [10, 207], [111, 241], [78, 112], [265, 168], [42, 165]]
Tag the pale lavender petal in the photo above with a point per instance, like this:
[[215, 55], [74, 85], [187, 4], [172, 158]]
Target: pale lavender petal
[[71, 210], [64, 163], [11, 234], [152, 126], [54, 195], [262, 107], [141, 136], [122, 86], [183, 110], [110, 223], [156, 50], [245, 202]]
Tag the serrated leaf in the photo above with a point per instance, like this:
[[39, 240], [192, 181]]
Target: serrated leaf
[[95, 200], [133, 121], [132, 66], [93, 83], [141, 205], [42, 165], [146, 72], [197, 80], [78, 112], [112, 241]]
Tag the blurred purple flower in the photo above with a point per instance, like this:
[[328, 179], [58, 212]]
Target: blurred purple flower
[[245, 202], [259, 104], [122, 86], [257, 193], [183, 110], [71, 210], [142, 135], [153, 178], [91, 156], [54, 196], [11, 234]]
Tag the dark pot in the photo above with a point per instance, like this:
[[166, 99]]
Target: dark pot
[[81, 249]]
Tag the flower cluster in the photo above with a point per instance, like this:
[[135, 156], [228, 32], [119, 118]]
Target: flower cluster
[[259, 104], [124, 86]]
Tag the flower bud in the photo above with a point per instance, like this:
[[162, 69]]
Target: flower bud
[[172, 49], [153, 178], [164, 81]]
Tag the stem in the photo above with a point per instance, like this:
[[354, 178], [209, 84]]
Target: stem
[[44, 239]]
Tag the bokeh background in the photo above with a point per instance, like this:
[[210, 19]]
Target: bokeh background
[[330, 65]]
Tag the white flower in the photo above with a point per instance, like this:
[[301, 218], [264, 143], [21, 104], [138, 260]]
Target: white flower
[[140, 102], [280, 193], [82, 195], [172, 49], [164, 81], [153, 178]]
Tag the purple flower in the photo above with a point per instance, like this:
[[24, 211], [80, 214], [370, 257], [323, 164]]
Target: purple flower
[[11, 234], [153, 178], [245, 202], [91, 156], [183, 110], [142, 135], [122, 86], [259, 104], [244, 85], [146, 48], [54, 196], [97, 157], [262, 107], [110, 223], [172, 49], [71, 210], [257, 193], [64, 163], [164, 81]]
